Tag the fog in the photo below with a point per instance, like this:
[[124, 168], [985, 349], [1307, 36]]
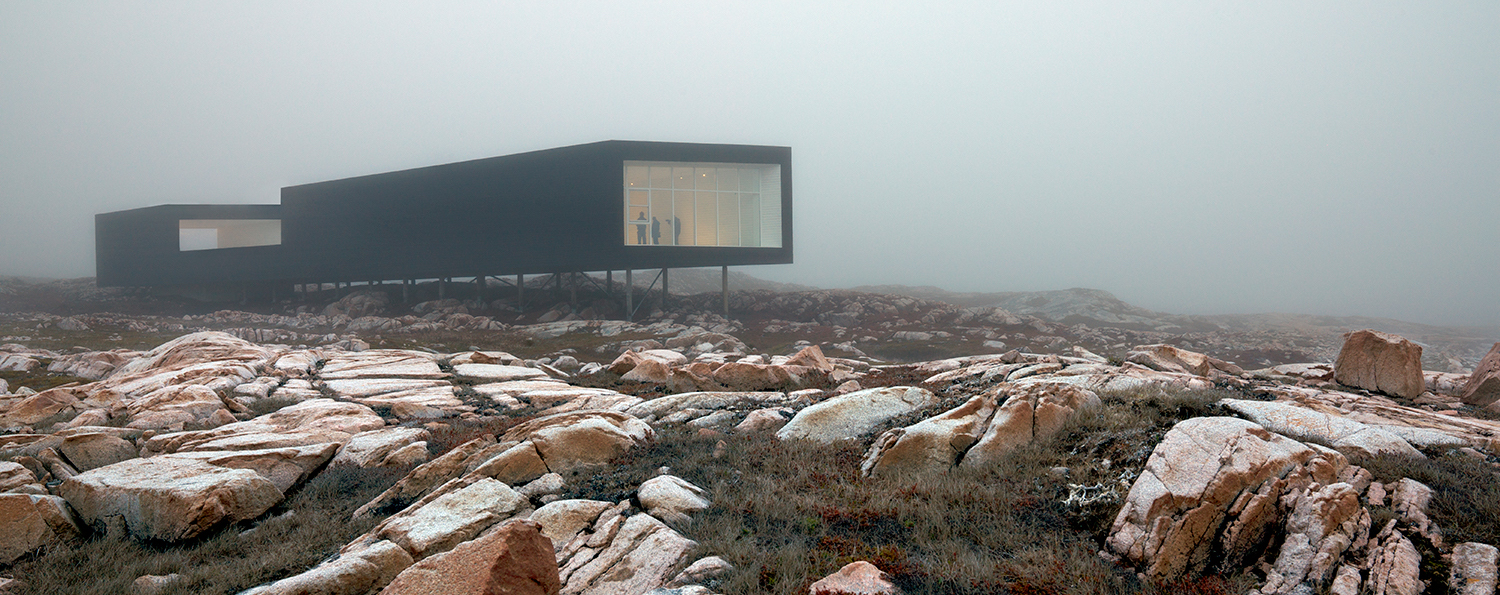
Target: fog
[[1324, 158]]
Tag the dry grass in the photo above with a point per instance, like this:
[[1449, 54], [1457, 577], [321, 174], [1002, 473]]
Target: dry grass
[[310, 525], [459, 431], [787, 514], [267, 405], [1466, 492], [39, 379]]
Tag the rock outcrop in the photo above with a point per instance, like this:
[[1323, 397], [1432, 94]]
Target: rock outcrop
[[672, 499], [512, 559], [855, 578], [1380, 362], [1168, 358], [354, 573], [385, 447], [932, 445], [1348, 436], [1212, 485], [1473, 569], [168, 498], [30, 521], [1028, 413], [854, 414], [624, 555], [314, 421], [1483, 386], [568, 440], [979, 432]]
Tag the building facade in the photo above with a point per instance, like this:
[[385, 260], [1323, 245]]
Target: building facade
[[605, 206]]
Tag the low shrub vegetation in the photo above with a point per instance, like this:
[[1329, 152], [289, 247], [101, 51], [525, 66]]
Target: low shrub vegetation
[[312, 524], [1465, 492], [39, 379], [786, 514]]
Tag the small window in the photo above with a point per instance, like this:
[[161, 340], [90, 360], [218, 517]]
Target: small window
[[213, 234]]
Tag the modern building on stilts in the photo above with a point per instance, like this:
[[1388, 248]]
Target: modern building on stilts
[[600, 207]]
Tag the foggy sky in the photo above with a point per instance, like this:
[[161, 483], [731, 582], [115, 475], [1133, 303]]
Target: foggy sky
[[1325, 158]]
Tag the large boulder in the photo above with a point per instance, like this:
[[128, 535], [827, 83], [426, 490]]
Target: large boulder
[[1029, 413], [1175, 359], [1380, 362], [29, 521], [48, 404], [1483, 387], [769, 419], [14, 475], [577, 438], [512, 559], [168, 499], [452, 518], [284, 467], [1212, 486], [855, 414], [16, 362], [623, 556], [384, 447], [96, 449], [811, 357], [630, 360], [672, 499], [563, 520], [197, 348], [932, 445], [742, 376]]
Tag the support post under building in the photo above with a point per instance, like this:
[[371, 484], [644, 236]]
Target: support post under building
[[664, 291], [629, 294]]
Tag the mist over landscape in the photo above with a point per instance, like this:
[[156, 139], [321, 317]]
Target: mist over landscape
[[975, 298]]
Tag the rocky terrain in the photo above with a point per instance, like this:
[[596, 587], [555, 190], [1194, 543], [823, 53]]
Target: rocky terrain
[[813, 441]]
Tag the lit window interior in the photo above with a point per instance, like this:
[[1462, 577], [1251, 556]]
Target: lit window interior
[[212, 234], [702, 204]]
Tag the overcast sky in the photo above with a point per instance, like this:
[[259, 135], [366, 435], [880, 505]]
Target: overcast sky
[[1195, 157]]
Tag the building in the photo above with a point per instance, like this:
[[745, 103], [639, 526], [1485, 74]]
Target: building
[[605, 206]]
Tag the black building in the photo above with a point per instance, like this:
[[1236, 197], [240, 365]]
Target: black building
[[612, 205]]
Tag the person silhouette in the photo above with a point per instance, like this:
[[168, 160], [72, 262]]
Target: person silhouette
[[676, 231], [655, 230], [640, 229]]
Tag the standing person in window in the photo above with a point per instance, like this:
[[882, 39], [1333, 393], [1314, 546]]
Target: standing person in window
[[640, 229], [676, 231], [655, 230]]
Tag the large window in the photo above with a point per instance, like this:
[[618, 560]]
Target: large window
[[212, 234], [702, 204]]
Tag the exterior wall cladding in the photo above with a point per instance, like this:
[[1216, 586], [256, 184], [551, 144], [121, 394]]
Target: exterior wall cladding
[[556, 210]]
